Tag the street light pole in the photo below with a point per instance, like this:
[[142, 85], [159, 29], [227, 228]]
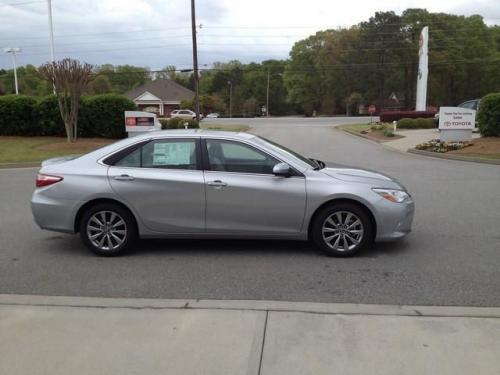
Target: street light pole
[[230, 98], [51, 30], [195, 62], [13, 52], [267, 93]]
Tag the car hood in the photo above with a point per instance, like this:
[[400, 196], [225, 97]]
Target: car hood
[[362, 176]]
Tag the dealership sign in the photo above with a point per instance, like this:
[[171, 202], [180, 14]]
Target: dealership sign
[[137, 122], [455, 118]]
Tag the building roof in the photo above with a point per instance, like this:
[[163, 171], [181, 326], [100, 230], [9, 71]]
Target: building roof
[[164, 89]]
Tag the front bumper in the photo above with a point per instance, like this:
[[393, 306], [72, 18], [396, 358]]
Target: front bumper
[[394, 220]]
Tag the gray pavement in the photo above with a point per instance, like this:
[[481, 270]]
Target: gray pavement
[[451, 258], [51, 336]]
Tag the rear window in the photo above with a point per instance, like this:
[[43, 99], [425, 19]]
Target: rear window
[[168, 153]]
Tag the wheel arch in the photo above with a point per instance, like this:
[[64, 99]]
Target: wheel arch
[[93, 202], [334, 201]]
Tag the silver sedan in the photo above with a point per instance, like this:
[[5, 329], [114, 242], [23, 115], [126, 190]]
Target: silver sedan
[[212, 184]]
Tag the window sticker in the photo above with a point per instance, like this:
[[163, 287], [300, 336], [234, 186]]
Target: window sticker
[[172, 153]]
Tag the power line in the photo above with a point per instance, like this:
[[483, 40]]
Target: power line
[[23, 3], [131, 31]]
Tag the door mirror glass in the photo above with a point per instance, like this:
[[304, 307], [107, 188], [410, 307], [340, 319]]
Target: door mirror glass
[[282, 169]]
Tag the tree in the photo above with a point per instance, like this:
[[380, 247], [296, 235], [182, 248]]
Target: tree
[[69, 78], [101, 85]]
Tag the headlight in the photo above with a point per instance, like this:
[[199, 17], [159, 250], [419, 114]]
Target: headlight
[[396, 196]]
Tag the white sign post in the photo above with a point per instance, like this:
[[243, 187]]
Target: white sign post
[[456, 124]]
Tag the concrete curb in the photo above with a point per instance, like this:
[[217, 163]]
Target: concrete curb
[[307, 307], [19, 165], [453, 157], [359, 135]]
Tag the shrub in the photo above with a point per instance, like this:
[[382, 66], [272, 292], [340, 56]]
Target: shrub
[[417, 123], [164, 123], [49, 117], [406, 123], [387, 133], [17, 115], [178, 123], [488, 116], [103, 116], [391, 116]]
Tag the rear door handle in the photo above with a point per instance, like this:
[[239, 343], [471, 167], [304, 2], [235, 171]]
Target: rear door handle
[[124, 177], [216, 183]]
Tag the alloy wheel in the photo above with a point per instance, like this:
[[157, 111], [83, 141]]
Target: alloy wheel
[[106, 230], [342, 231]]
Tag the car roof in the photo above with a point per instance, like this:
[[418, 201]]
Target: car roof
[[196, 132]]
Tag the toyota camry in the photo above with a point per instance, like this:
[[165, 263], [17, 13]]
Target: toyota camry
[[213, 184]]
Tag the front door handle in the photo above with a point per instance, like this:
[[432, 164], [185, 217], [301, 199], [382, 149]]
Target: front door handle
[[216, 183], [124, 177]]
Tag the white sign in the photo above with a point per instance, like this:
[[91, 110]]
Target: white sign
[[170, 153], [140, 122], [456, 118]]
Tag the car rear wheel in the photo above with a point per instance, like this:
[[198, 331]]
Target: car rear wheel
[[108, 229], [342, 229]]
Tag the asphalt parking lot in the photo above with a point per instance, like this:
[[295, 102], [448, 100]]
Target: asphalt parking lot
[[451, 258]]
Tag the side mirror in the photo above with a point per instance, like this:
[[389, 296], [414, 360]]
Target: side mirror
[[282, 169]]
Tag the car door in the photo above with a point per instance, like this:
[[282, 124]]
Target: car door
[[163, 182], [244, 196]]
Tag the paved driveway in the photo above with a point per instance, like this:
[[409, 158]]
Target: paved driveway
[[451, 258]]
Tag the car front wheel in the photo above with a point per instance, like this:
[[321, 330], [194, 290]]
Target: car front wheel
[[108, 229], [342, 229]]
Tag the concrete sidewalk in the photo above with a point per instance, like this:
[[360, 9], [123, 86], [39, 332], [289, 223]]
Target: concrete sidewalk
[[65, 335]]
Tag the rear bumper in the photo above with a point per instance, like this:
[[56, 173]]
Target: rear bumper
[[57, 215]]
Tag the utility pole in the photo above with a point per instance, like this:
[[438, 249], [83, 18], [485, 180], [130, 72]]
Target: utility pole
[[13, 52], [230, 98], [195, 62], [267, 94]]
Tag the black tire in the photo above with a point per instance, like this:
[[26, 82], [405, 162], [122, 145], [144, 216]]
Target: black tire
[[129, 225], [342, 208]]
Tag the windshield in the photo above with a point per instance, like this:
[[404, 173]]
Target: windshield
[[310, 162]]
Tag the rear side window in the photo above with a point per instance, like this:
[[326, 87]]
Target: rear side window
[[162, 153]]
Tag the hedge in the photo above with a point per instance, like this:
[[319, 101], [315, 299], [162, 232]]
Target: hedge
[[17, 115], [179, 123], [416, 123], [488, 117], [99, 116], [49, 118], [391, 116], [103, 116]]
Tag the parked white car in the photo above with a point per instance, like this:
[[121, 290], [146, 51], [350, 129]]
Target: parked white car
[[184, 113], [213, 115]]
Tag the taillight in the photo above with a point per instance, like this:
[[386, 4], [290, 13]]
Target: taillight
[[46, 180]]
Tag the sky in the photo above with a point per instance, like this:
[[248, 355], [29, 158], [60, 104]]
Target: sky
[[157, 33]]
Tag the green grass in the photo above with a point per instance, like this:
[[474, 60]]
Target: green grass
[[226, 127], [356, 128], [36, 149]]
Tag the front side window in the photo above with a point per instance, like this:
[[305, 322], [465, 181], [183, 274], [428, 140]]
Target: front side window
[[162, 153], [230, 156]]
